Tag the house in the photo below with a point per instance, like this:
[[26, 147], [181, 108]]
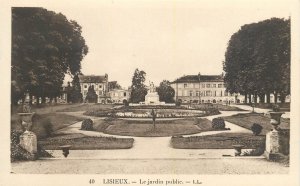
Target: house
[[119, 95], [100, 84]]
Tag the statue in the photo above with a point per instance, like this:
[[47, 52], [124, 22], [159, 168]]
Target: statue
[[152, 87]]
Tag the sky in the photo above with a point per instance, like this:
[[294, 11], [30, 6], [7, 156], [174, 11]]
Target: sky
[[166, 39]]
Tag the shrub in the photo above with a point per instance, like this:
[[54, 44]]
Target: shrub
[[178, 103], [48, 127], [276, 108], [87, 124], [126, 103], [218, 123], [256, 129]]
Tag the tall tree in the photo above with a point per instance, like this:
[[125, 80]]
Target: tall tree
[[166, 92], [45, 46], [138, 88], [257, 60], [76, 95]]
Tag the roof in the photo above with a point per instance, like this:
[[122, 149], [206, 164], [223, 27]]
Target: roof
[[199, 78], [92, 79]]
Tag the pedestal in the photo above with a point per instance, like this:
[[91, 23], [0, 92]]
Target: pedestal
[[28, 141], [272, 145], [152, 98]]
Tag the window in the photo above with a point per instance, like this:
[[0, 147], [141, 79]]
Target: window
[[215, 93], [226, 93], [219, 85], [185, 85], [84, 93], [100, 93], [203, 85], [85, 86], [124, 94], [197, 93], [214, 85], [100, 86], [191, 93], [208, 93], [207, 85], [196, 85]]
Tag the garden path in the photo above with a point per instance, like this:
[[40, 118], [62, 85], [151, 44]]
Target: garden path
[[152, 147]]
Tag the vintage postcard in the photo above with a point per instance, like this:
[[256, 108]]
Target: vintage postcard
[[153, 93]]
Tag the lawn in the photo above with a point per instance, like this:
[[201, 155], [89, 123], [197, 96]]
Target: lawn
[[247, 120], [44, 124], [86, 107], [145, 128], [218, 141], [82, 142]]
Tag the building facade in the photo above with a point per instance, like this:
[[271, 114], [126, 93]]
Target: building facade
[[119, 95], [203, 89], [100, 84]]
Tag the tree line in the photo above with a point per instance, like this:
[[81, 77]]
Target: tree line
[[45, 47], [257, 61]]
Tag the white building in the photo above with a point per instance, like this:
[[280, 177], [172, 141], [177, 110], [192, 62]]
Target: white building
[[203, 89]]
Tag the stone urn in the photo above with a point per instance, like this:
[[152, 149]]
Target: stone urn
[[275, 119], [26, 120]]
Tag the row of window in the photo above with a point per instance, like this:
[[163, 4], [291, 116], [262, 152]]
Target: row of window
[[100, 93], [203, 93], [118, 94], [214, 85], [95, 87]]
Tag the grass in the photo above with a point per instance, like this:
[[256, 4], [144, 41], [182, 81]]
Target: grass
[[82, 142], [218, 141], [145, 128], [56, 121], [247, 120], [86, 107]]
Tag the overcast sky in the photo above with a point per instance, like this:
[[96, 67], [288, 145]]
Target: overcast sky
[[165, 39]]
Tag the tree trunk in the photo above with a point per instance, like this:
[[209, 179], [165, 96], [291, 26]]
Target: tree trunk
[[282, 98], [268, 98], [261, 98], [43, 99], [255, 98], [37, 100], [55, 99], [275, 97], [246, 97], [250, 101]]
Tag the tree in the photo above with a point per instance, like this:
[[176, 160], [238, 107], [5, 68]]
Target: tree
[[138, 88], [45, 46], [76, 95], [91, 95], [257, 60], [166, 92]]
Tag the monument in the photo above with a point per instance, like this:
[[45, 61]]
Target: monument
[[152, 98], [28, 139]]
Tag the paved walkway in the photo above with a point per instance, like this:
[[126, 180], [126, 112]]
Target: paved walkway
[[260, 110]]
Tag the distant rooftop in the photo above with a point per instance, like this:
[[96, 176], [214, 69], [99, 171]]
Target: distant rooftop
[[93, 79], [199, 78]]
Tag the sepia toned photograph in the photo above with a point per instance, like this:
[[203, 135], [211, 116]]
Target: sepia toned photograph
[[151, 88]]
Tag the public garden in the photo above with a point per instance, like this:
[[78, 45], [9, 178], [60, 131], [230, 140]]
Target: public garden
[[171, 141]]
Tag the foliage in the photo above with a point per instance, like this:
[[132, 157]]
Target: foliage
[[45, 46], [48, 127], [218, 123], [256, 128], [125, 102], [75, 92], [138, 88], [257, 60], [91, 95], [166, 92], [87, 124], [178, 103], [276, 108]]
